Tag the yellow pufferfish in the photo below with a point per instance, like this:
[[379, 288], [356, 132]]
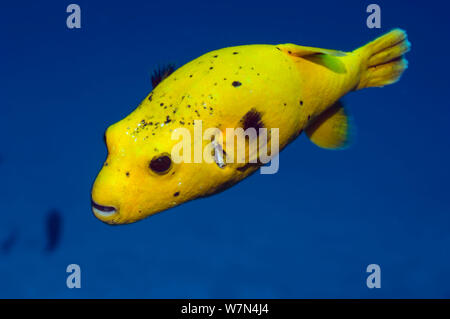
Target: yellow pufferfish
[[287, 86]]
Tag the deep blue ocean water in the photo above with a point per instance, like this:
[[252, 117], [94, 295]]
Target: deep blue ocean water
[[308, 231]]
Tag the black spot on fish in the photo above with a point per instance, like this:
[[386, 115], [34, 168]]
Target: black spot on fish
[[289, 52], [161, 73], [278, 48], [236, 83], [252, 119], [150, 96], [235, 52], [161, 104], [211, 68], [127, 174], [215, 56], [190, 75], [301, 102], [53, 230], [168, 120], [176, 194]]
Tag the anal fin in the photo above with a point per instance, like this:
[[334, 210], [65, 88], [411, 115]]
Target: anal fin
[[333, 129]]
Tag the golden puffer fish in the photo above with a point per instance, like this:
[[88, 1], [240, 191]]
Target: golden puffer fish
[[290, 87]]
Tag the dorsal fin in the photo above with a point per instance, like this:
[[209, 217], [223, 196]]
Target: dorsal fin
[[301, 51], [329, 59], [161, 73]]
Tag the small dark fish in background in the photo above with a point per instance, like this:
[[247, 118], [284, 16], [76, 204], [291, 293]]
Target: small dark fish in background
[[9, 242], [53, 225]]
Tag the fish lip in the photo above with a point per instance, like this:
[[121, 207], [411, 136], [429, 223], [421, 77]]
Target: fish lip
[[103, 211]]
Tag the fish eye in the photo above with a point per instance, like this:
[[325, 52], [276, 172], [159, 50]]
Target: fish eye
[[161, 164]]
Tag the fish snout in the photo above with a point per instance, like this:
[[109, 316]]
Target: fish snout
[[104, 213]]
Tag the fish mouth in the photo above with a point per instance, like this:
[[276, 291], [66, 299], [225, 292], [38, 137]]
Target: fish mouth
[[103, 211]]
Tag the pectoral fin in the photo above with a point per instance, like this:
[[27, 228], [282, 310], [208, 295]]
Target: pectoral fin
[[333, 129]]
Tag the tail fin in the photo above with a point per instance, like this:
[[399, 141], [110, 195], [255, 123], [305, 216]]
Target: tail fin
[[383, 62]]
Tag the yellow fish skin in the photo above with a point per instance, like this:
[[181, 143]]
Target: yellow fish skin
[[285, 86]]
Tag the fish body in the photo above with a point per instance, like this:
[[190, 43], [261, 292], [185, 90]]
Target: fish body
[[289, 87]]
